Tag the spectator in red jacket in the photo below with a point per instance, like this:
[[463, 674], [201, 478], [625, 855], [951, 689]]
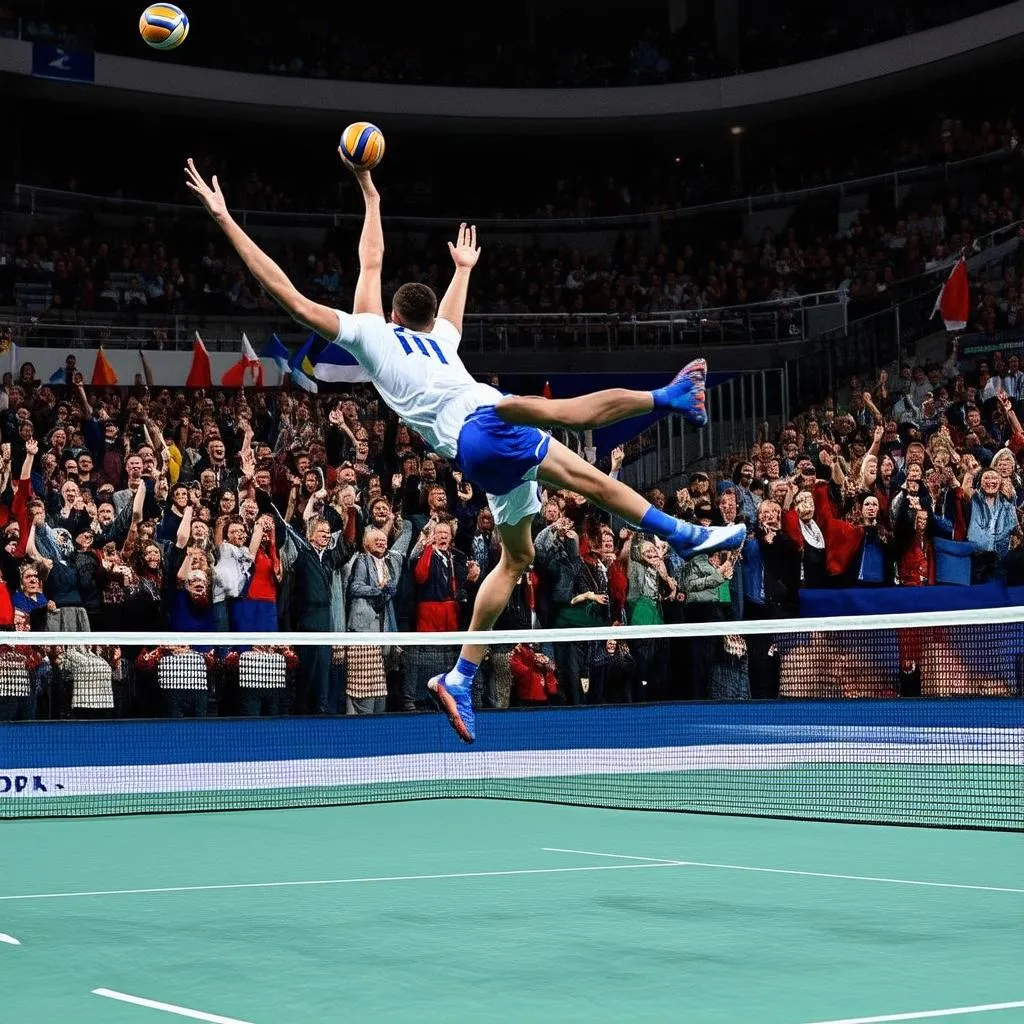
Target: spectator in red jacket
[[533, 676], [440, 574], [860, 554]]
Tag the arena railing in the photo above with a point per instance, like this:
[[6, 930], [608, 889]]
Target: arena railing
[[784, 320], [738, 410], [38, 201]]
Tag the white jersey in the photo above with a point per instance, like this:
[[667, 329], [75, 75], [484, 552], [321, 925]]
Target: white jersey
[[419, 375]]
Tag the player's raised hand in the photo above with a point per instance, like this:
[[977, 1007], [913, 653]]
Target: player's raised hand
[[211, 198], [465, 252], [362, 175]]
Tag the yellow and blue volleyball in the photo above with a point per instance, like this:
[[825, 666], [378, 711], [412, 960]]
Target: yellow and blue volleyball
[[163, 26], [362, 144]]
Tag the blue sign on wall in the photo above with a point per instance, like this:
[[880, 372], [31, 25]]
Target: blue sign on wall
[[50, 61]]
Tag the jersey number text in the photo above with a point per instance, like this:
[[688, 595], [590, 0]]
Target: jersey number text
[[425, 346]]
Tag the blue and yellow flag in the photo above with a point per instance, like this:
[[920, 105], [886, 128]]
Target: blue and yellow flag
[[303, 363]]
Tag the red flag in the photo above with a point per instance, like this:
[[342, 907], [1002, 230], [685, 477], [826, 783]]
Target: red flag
[[103, 374], [954, 301], [547, 389], [199, 374], [248, 369]]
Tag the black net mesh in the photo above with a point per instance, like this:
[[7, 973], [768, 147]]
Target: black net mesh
[[921, 726]]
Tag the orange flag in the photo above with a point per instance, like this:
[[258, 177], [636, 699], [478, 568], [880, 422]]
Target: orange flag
[[103, 374]]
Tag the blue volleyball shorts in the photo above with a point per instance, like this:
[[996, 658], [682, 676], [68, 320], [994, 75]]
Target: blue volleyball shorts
[[503, 459]]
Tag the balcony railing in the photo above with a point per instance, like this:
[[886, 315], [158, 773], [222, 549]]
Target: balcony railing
[[785, 320], [38, 201]]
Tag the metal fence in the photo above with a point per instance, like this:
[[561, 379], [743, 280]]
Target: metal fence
[[767, 322], [738, 411], [38, 201]]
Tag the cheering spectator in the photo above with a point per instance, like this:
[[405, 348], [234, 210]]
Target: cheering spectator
[[441, 574], [771, 578], [317, 603], [262, 677], [579, 593], [992, 520], [706, 582], [255, 608], [857, 553], [729, 675], [612, 673], [182, 675], [17, 685], [535, 680], [371, 592]]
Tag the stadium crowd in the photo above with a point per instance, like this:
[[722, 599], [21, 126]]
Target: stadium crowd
[[169, 510], [165, 269]]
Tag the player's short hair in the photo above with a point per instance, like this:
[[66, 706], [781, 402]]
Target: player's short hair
[[416, 304]]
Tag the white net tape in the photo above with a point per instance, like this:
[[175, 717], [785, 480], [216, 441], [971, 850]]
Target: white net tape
[[753, 627]]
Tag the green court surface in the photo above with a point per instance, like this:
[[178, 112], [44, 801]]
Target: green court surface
[[473, 910]]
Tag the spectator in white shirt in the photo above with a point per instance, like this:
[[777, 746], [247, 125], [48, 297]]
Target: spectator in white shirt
[[1013, 379], [135, 295], [110, 297]]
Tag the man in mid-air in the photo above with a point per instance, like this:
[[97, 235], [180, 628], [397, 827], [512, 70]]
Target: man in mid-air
[[499, 441]]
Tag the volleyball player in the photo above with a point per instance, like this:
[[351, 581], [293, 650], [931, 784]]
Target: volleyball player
[[498, 441]]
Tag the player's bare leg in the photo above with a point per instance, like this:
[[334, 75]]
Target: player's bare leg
[[686, 395], [453, 691], [562, 468]]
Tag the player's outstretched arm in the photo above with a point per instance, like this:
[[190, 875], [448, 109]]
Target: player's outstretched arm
[[371, 245], [465, 253], [321, 319]]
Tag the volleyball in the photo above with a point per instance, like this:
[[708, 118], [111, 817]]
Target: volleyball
[[362, 144], [163, 26]]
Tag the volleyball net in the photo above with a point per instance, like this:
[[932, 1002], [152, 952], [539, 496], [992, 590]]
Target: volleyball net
[[854, 720]]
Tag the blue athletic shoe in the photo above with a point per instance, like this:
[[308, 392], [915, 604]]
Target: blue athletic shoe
[[457, 703], [686, 394], [698, 540]]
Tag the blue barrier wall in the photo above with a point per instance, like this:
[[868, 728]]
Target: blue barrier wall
[[67, 744], [901, 600]]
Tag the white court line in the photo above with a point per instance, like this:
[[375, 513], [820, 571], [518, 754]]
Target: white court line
[[10, 940], [802, 874], [152, 1004], [338, 881], [617, 856], [956, 1011]]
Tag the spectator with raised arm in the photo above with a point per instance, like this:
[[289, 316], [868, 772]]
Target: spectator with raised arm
[[534, 676], [440, 573], [315, 561], [858, 554], [255, 608]]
